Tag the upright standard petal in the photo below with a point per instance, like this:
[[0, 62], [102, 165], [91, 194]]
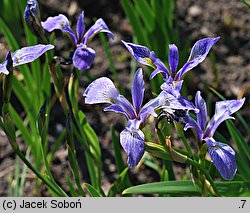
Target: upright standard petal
[[102, 90], [83, 57], [202, 115], [140, 53], [198, 54], [59, 22], [173, 58], [223, 157], [223, 111], [29, 54], [80, 27], [137, 90], [201, 48], [132, 142], [98, 27]]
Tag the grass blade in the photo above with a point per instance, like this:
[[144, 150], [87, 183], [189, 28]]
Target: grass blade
[[134, 21], [92, 191], [238, 139], [176, 188], [71, 187], [8, 35], [146, 13]]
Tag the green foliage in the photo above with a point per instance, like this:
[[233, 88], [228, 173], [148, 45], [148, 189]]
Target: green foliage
[[155, 26]]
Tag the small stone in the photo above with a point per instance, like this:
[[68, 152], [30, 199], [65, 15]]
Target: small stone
[[194, 11]]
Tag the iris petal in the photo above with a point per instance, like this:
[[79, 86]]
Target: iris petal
[[59, 22], [137, 90], [191, 123], [160, 66], [172, 88], [198, 54], [7, 65], [223, 157], [223, 110], [173, 58], [140, 53], [80, 27], [132, 142], [83, 57], [202, 115], [201, 48], [29, 54], [116, 108], [3, 68], [181, 103], [149, 108], [102, 90], [56, 22], [99, 26], [126, 105]]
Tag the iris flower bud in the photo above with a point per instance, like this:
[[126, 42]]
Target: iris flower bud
[[33, 19]]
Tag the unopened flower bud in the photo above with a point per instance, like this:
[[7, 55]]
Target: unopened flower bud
[[33, 19]]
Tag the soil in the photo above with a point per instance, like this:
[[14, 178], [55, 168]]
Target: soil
[[228, 19]]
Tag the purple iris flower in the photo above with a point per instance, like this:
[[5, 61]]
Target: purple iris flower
[[25, 55], [83, 56], [222, 155], [103, 90], [147, 57]]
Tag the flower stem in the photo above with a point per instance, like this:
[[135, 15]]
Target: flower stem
[[205, 172], [180, 132]]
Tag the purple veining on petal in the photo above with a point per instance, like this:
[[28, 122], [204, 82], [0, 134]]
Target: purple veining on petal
[[56, 22], [132, 142], [98, 27], [223, 157], [102, 90], [137, 90], [173, 58], [150, 107], [223, 111], [83, 57], [202, 115], [140, 53], [127, 106], [201, 48], [172, 88], [59, 22], [198, 54], [116, 108], [80, 28], [3, 68], [29, 54]]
